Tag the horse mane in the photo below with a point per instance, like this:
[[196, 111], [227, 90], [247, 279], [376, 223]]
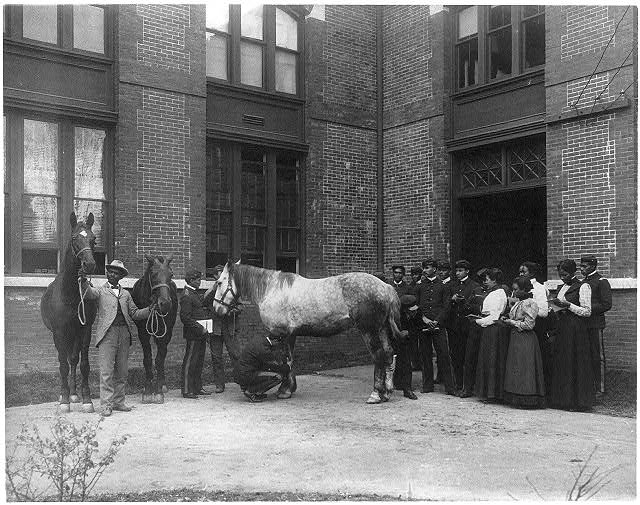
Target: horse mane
[[253, 282], [68, 276]]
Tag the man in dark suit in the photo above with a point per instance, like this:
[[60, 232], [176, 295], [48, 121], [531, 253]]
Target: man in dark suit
[[401, 286], [600, 303], [414, 330], [433, 309], [463, 290]]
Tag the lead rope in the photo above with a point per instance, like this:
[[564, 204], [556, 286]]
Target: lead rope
[[153, 323], [82, 315]]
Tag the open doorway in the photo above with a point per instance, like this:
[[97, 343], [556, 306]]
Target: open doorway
[[503, 229]]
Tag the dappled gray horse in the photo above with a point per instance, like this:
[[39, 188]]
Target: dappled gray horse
[[292, 305]]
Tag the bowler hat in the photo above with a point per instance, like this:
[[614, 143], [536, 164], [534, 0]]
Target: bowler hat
[[192, 273], [117, 265], [463, 264], [416, 270], [398, 267], [589, 258], [407, 300], [444, 265]]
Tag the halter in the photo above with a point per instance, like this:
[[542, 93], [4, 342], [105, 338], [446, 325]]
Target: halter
[[236, 298], [153, 321], [82, 316]]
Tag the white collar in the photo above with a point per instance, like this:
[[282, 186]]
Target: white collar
[[462, 280], [398, 283], [432, 278]]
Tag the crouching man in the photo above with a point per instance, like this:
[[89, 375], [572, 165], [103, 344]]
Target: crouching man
[[262, 366]]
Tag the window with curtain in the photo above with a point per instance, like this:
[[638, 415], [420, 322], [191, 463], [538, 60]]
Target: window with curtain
[[499, 41], [251, 45], [217, 33], [467, 47], [533, 36], [286, 52]]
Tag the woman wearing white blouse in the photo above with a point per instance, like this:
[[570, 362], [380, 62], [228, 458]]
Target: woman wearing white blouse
[[572, 386], [494, 341]]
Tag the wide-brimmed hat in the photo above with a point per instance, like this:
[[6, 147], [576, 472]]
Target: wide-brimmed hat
[[117, 265]]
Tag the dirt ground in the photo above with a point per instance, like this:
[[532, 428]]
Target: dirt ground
[[327, 440]]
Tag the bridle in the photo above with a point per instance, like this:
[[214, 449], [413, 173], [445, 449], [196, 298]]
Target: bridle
[[82, 315], [155, 316], [235, 302]]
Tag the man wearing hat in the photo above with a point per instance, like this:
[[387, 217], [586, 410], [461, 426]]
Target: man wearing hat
[[114, 332], [600, 303], [403, 372], [198, 325]]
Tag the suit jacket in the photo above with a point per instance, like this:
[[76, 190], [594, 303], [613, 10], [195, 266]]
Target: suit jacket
[[469, 289], [193, 306], [108, 309], [433, 300], [259, 355], [402, 289], [600, 299]]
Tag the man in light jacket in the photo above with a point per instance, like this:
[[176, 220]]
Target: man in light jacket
[[114, 332]]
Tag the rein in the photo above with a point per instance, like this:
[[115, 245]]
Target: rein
[[235, 303], [155, 317], [82, 315]]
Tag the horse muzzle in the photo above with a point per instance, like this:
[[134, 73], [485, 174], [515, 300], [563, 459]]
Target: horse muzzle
[[164, 305], [87, 267]]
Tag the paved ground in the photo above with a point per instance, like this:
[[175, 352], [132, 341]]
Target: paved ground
[[326, 439]]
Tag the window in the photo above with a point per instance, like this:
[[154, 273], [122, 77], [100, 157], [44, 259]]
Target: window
[[467, 48], [56, 168], [263, 39], [78, 27], [533, 35], [497, 41], [253, 206]]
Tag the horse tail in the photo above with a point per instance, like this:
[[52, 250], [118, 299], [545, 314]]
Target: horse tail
[[394, 317]]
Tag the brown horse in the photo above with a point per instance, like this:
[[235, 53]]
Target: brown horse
[[292, 305], [69, 316], [156, 289]]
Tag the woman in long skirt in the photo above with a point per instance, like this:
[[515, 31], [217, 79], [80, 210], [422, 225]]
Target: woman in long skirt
[[524, 379], [494, 341], [572, 387]]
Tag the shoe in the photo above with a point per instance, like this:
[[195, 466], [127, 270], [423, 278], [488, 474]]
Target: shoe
[[219, 389], [410, 394], [452, 392], [253, 397], [204, 392], [465, 394], [122, 408], [107, 411], [262, 396], [191, 396], [426, 389]]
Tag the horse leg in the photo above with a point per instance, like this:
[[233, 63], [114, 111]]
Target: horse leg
[[87, 404], [64, 372], [161, 354], [74, 357], [387, 361], [147, 361], [377, 394], [289, 384]]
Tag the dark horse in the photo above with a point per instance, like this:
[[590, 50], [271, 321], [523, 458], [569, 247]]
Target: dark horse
[[292, 305], [69, 316], [156, 288]]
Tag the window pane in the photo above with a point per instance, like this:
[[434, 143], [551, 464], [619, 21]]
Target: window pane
[[251, 21], [286, 72], [251, 64], [39, 219], [217, 56], [468, 63], [218, 204], [468, 22], [88, 28], [40, 157], [40, 261], [533, 37], [218, 16], [500, 15], [82, 209], [4, 152], [286, 30], [500, 53], [89, 163], [287, 264], [40, 22], [254, 212], [532, 10]]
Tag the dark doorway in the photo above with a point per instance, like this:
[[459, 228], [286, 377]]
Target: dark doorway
[[503, 229]]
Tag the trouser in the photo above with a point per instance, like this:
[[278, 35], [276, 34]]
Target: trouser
[[192, 366], [414, 352], [546, 351], [472, 347], [594, 344], [437, 339], [403, 373], [228, 338], [113, 355], [457, 344], [263, 381]]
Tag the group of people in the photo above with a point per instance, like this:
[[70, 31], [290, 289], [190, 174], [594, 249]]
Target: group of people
[[511, 343]]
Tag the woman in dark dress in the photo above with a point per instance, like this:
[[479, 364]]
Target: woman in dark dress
[[524, 380], [572, 387], [494, 341]]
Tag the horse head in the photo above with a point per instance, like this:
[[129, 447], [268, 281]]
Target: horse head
[[83, 241], [160, 274], [226, 296]]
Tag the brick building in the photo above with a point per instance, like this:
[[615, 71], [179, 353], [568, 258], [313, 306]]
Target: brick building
[[318, 139]]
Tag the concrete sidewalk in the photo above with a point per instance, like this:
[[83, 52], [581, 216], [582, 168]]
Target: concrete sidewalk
[[326, 439]]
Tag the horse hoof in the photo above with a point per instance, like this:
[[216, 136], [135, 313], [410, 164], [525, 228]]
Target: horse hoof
[[165, 389], [159, 398], [88, 408], [374, 397], [64, 408], [283, 395], [385, 397], [74, 399], [148, 398], [293, 384]]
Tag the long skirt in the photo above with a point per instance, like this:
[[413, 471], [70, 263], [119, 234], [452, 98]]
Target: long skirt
[[524, 378], [492, 358], [572, 386]]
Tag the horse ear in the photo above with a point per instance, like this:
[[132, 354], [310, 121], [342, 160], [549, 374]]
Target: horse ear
[[150, 259], [73, 219], [90, 219], [238, 262], [169, 258]]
